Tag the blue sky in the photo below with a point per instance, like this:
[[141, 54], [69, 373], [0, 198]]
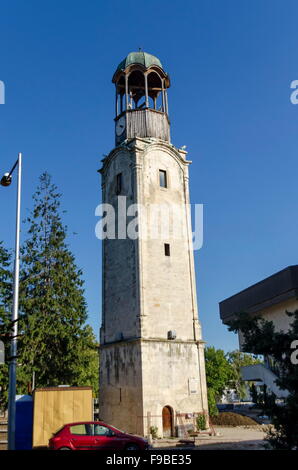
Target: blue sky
[[231, 63]]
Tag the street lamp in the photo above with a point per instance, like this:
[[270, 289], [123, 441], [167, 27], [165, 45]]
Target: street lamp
[[6, 181]]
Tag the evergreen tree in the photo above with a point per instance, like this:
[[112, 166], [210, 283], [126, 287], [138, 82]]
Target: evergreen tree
[[55, 344]]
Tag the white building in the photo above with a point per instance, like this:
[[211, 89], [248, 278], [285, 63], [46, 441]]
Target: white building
[[270, 299]]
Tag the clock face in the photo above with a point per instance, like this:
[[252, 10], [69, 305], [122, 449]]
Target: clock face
[[120, 126]]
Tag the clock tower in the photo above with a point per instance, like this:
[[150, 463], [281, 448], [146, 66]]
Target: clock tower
[[152, 370]]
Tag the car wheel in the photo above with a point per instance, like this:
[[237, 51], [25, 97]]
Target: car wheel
[[132, 447], [64, 448]]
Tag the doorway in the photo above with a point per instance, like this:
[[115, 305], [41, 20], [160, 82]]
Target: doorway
[[167, 421]]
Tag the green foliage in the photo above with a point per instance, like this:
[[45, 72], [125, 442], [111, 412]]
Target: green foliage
[[219, 373], [260, 337], [5, 306], [239, 359], [154, 432], [201, 422], [54, 343], [268, 400], [254, 394], [223, 371], [213, 410], [263, 399]]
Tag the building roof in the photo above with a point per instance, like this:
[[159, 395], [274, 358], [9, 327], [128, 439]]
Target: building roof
[[142, 58], [277, 288]]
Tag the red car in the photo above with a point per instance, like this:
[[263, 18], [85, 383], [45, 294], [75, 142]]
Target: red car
[[94, 435]]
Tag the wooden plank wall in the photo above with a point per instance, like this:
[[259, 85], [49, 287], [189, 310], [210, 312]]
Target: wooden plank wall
[[56, 407], [148, 123]]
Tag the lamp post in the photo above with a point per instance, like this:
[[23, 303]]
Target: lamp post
[[6, 181]]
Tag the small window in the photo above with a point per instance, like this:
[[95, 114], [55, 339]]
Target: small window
[[119, 183], [163, 179], [167, 249], [100, 430], [79, 430]]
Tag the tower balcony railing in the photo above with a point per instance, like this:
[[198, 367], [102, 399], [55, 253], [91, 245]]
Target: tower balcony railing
[[147, 123]]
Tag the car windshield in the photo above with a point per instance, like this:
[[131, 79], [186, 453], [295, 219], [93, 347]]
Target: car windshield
[[119, 430]]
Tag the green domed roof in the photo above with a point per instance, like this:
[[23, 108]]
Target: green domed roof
[[142, 58]]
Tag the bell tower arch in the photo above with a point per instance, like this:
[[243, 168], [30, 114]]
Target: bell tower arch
[[141, 98]]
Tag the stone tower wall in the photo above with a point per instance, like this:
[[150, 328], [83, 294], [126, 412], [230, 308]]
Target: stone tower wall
[[147, 294]]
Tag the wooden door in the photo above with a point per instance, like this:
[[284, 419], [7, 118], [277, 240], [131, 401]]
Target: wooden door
[[167, 419]]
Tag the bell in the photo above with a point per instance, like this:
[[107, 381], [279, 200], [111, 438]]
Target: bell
[[6, 180]]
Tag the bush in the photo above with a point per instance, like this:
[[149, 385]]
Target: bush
[[154, 432], [213, 410], [232, 419], [201, 422]]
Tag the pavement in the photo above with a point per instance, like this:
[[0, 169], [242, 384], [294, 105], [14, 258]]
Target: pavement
[[226, 438]]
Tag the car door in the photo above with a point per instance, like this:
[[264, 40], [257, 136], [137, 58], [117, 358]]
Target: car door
[[106, 439], [81, 436]]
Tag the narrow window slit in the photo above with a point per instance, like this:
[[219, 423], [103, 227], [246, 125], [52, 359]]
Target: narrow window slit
[[119, 183], [163, 179]]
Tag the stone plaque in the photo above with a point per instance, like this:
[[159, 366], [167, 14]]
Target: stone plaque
[[193, 386]]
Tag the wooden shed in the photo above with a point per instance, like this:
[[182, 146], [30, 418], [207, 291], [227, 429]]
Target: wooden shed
[[56, 406]]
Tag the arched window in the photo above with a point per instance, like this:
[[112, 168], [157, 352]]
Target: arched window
[[155, 90], [140, 89], [120, 95], [136, 90]]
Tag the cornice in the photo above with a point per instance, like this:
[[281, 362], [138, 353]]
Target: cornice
[[150, 340], [145, 145]]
